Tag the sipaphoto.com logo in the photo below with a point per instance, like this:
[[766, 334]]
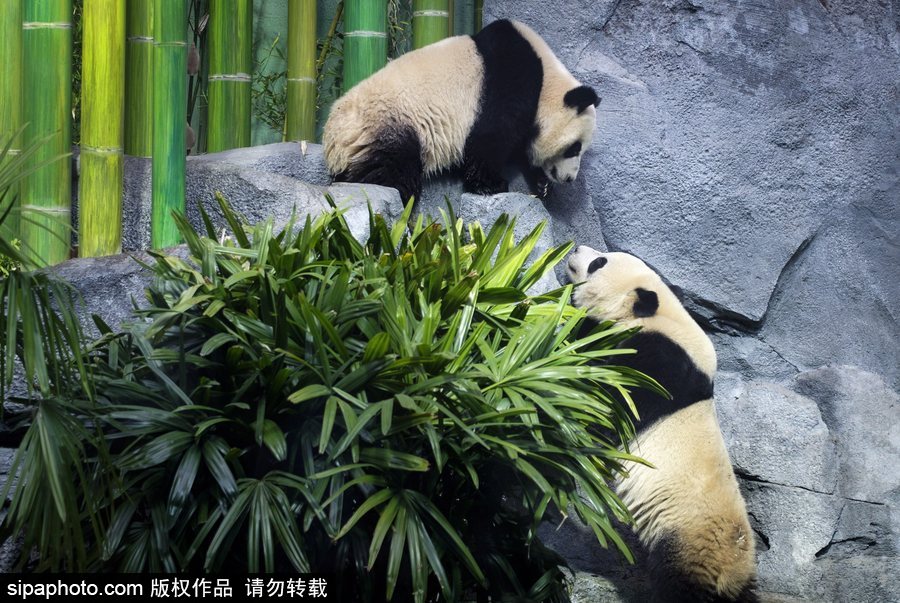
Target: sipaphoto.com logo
[[44, 587]]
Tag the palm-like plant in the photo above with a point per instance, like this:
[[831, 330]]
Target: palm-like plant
[[399, 413], [41, 344]]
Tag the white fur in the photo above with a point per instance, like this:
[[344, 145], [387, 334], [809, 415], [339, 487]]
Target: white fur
[[434, 89]]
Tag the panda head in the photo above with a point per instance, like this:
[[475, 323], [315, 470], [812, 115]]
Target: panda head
[[564, 132], [618, 286]]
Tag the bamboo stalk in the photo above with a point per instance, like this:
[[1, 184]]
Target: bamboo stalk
[[138, 84], [479, 15], [10, 92], [365, 39], [301, 76], [230, 65], [47, 109], [431, 22], [102, 114], [169, 119], [463, 17]]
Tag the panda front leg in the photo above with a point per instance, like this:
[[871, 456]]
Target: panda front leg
[[538, 182], [483, 164]]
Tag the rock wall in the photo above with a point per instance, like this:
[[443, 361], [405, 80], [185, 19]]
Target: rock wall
[[750, 152]]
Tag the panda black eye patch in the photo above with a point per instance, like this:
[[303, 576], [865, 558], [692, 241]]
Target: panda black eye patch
[[596, 265], [573, 150]]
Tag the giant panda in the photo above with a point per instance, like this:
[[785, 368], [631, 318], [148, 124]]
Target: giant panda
[[688, 511], [475, 102]]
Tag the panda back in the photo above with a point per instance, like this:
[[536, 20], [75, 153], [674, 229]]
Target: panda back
[[672, 366]]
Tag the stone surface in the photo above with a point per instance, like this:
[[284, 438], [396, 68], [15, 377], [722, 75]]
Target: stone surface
[[838, 301], [776, 435], [863, 414]]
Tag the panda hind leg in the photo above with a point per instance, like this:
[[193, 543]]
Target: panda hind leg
[[394, 159], [672, 583]]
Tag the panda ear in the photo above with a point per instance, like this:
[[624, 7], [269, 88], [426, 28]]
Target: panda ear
[[581, 98], [647, 303]]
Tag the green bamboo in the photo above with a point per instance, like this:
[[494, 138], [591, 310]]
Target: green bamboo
[[230, 65], [10, 91], [431, 22], [463, 17], [47, 109], [365, 39], [301, 77], [451, 17], [169, 119], [102, 114], [479, 15], [139, 81]]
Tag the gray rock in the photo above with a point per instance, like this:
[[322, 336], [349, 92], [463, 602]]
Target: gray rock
[[6, 460], [785, 554], [283, 158], [109, 286], [776, 435], [836, 303], [258, 182], [842, 553], [863, 413], [750, 357]]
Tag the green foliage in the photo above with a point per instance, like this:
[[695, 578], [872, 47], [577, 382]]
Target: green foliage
[[46, 343], [399, 413], [41, 342], [269, 91]]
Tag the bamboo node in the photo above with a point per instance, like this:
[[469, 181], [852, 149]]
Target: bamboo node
[[306, 80], [364, 33], [46, 25], [230, 77], [40, 209], [141, 39], [431, 13], [101, 150]]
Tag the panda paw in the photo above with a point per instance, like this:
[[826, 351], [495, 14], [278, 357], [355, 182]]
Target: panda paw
[[484, 187], [542, 187]]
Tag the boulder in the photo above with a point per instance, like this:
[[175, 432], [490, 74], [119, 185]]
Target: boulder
[[776, 435], [863, 414]]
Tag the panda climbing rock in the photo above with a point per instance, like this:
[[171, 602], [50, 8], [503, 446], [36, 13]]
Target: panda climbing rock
[[688, 510], [474, 102]]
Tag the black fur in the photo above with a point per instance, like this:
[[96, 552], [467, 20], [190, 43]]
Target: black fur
[[393, 159], [672, 585], [647, 303], [513, 77], [668, 363], [581, 98]]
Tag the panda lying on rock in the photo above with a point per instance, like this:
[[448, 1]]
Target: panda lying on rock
[[474, 102], [688, 510]]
